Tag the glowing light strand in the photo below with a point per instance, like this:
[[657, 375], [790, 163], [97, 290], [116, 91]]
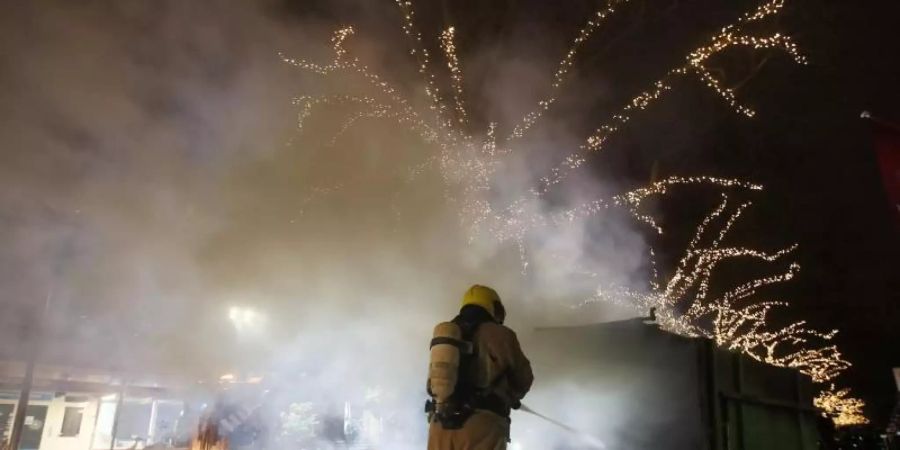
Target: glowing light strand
[[420, 52], [564, 67], [730, 36], [342, 63], [737, 324], [456, 80]]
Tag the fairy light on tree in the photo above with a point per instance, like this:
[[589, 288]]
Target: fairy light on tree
[[685, 302], [734, 319]]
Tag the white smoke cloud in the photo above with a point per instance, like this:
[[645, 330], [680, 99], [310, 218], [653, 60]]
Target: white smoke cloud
[[152, 180]]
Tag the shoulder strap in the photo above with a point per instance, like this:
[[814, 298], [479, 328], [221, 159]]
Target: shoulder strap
[[464, 347]]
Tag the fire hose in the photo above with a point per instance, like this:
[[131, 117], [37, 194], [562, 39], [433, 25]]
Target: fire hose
[[587, 437]]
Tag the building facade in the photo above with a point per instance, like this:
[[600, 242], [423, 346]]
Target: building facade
[[82, 409]]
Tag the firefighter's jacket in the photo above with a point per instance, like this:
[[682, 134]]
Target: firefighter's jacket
[[501, 367]]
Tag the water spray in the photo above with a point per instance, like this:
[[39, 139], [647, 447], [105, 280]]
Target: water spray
[[587, 437]]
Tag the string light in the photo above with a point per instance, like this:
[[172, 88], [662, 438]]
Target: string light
[[396, 101], [565, 65], [730, 36], [455, 76], [736, 324], [308, 103], [685, 302], [421, 53], [843, 409]]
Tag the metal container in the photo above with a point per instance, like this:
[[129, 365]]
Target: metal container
[[637, 387]]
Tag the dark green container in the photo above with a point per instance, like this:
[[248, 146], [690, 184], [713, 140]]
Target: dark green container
[[676, 393]]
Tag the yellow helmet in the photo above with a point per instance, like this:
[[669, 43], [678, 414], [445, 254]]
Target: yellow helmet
[[482, 296]]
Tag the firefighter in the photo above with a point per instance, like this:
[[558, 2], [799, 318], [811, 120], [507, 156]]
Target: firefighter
[[493, 377]]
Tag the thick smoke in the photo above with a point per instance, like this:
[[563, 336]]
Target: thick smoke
[[153, 181]]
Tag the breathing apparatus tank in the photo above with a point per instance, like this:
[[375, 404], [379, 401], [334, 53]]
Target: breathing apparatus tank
[[443, 367]]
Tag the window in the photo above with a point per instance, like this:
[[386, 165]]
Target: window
[[103, 428], [71, 425], [134, 419]]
